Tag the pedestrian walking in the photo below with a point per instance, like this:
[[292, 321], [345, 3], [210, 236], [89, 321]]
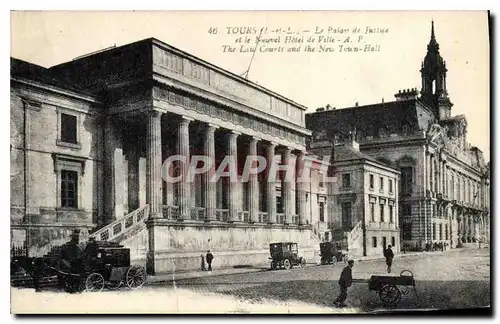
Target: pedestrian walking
[[203, 263], [345, 281], [209, 258], [389, 255]]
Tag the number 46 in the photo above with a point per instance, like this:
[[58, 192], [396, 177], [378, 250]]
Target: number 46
[[213, 30]]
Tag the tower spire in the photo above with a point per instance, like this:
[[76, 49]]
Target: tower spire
[[432, 30], [433, 44]]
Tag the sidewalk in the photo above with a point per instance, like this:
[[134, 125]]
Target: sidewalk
[[192, 274]]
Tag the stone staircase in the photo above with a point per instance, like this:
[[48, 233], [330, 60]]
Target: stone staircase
[[124, 227], [351, 238]]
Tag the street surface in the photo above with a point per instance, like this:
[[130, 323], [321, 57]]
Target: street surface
[[444, 280], [451, 279]]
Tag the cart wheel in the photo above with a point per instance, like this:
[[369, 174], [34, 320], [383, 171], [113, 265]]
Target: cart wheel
[[389, 295], [136, 277], [287, 265], [94, 282], [113, 285], [302, 262], [274, 265], [323, 261], [334, 260]]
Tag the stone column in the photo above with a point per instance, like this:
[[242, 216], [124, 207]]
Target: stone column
[[429, 170], [153, 160], [286, 188], [210, 186], [301, 187], [271, 185], [234, 201], [184, 186], [253, 186]]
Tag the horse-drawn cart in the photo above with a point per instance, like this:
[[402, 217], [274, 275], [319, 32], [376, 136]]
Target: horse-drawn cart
[[391, 288], [110, 268]]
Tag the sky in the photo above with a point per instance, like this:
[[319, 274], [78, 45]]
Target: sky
[[311, 79]]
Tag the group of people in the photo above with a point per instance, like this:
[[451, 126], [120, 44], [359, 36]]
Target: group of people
[[345, 280]]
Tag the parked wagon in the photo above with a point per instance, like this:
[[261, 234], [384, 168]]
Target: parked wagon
[[110, 268], [391, 288], [285, 255]]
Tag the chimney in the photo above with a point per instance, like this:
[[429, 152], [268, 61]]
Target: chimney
[[408, 94], [356, 104], [350, 141]]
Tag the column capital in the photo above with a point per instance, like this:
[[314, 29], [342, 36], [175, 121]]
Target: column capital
[[211, 126], [255, 138], [186, 119], [155, 113]]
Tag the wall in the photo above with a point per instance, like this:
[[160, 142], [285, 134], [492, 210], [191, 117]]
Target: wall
[[42, 220], [178, 247]]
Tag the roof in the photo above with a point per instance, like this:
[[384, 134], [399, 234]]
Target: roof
[[33, 72], [347, 153]]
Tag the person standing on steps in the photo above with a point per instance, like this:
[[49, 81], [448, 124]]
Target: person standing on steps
[[209, 259], [345, 281], [389, 255]]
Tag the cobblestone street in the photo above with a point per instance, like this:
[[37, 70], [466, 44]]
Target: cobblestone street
[[452, 279]]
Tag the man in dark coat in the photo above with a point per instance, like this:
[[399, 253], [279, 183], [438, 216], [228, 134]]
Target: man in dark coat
[[389, 255], [345, 281], [71, 259], [209, 259], [91, 251]]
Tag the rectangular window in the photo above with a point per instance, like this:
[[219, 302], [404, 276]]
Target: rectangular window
[[346, 214], [441, 231], [391, 216], [382, 213], [407, 231], [446, 232], [393, 241], [406, 180], [371, 181], [374, 242], [321, 211], [433, 231], [69, 189], [346, 180], [372, 211], [381, 184], [321, 180], [384, 242], [390, 186], [68, 128]]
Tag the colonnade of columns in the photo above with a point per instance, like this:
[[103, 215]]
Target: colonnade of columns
[[289, 190]]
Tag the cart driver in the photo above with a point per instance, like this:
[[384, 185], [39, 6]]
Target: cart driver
[[91, 250], [72, 254]]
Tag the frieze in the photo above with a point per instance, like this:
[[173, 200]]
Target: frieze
[[220, 112]]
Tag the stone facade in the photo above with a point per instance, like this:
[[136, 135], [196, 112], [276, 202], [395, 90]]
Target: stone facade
[[364, 202], [444, 185]]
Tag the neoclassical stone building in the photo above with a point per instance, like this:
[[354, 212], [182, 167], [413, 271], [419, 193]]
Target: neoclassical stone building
[[444, 184], [89, 137], [364, 199]]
